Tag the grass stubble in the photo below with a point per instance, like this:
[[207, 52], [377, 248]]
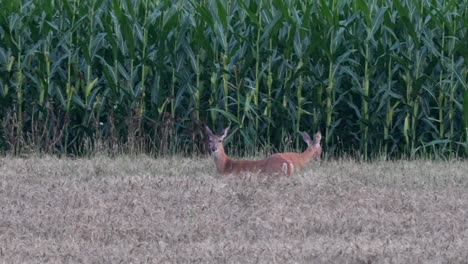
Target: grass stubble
[[178, 210]]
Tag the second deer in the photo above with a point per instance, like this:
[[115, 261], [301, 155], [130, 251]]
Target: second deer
[[300, 160]]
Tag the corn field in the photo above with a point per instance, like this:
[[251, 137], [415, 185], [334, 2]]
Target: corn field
[[377, 77]]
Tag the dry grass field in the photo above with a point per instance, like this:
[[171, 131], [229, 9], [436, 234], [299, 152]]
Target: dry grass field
[[144, 210]]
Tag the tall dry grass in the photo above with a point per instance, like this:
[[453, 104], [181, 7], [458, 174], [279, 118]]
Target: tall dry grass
[[137, 209]]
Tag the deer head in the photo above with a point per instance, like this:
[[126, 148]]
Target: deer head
[[216, 142]]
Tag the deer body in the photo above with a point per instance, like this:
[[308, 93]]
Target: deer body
[[300, 160], [226, 165]]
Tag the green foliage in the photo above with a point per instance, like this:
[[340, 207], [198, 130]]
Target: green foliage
[[378, 76]]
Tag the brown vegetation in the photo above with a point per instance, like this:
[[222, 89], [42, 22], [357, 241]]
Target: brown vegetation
[[143, 210]]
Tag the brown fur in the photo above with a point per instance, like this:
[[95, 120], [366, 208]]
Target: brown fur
[[300, 160], [226, 165]]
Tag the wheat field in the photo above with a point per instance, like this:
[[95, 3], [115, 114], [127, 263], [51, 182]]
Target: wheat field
[[178, 210]]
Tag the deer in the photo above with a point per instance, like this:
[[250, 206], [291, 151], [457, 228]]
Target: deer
[[300, 160], [226, 165]]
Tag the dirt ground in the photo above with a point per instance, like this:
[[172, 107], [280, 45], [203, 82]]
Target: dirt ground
[[179, 210]]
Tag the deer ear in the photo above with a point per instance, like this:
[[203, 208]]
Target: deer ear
[[318, 137], [307, 138], [224, 134], [208, 131]]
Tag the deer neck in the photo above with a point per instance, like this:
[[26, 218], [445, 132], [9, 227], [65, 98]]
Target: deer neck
[[221, 159], [311, 152]]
